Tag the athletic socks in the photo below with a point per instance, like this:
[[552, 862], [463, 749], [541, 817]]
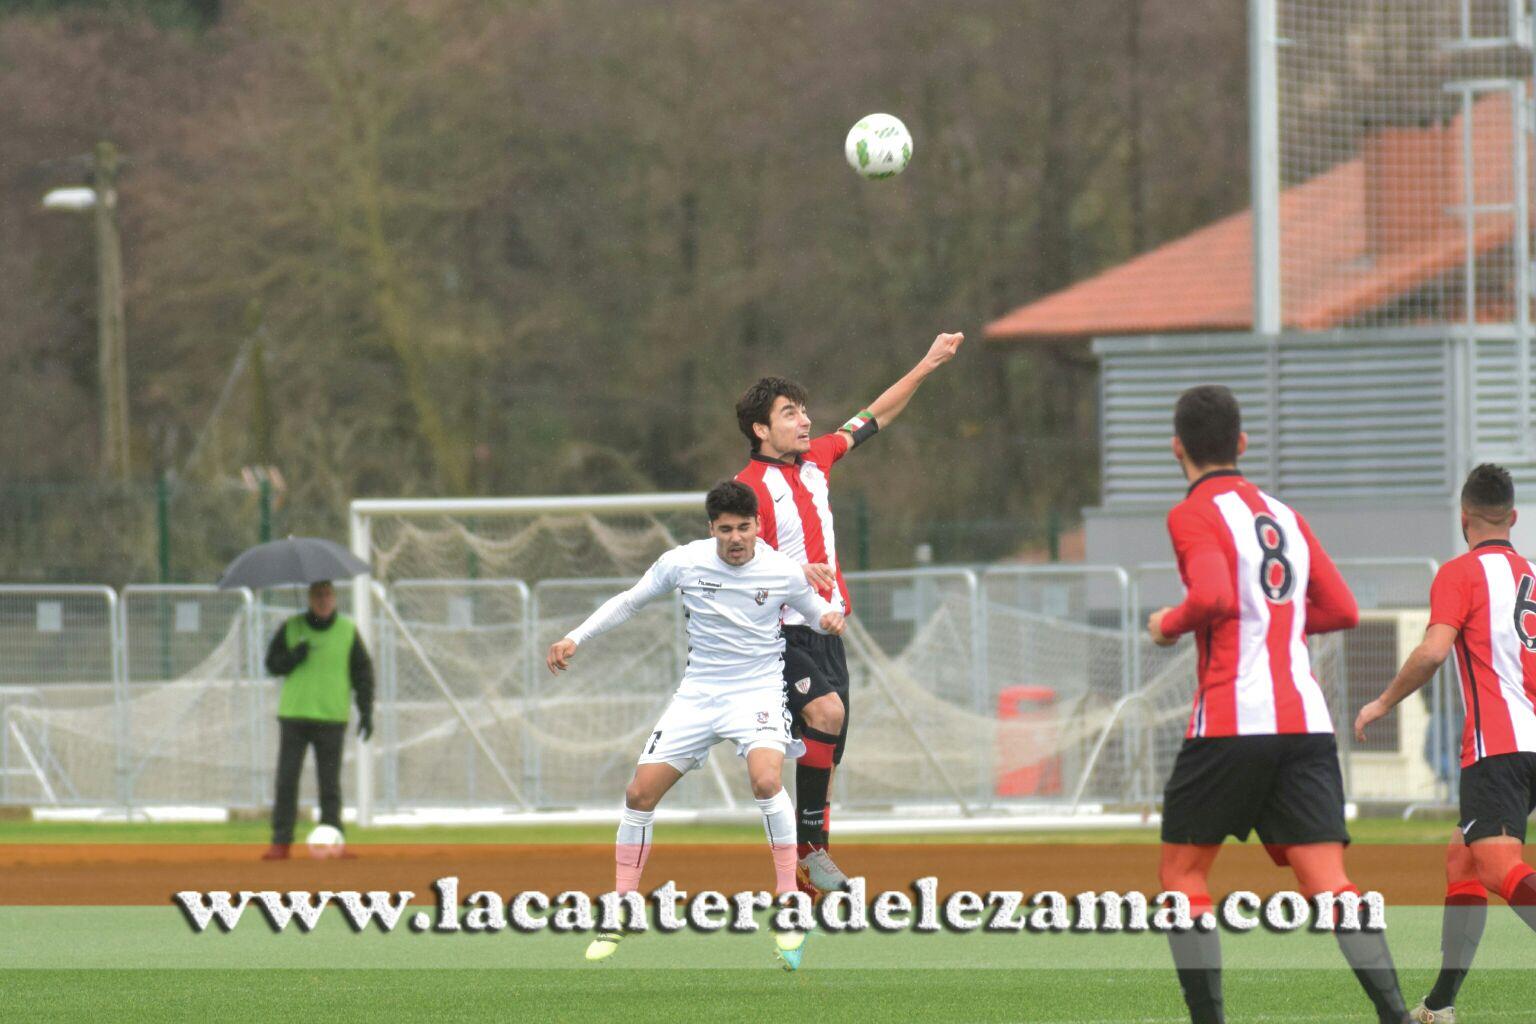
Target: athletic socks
[[779, 825], [1461, 929], [813, 780], [1519, 891], [1368, 956], [1466, 912], [631, 849], [1197, 960]]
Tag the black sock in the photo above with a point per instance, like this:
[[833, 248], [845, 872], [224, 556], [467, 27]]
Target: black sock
[[1201, 984], [1461, 929], [1371, 961], [813, 780], [1197, 960]]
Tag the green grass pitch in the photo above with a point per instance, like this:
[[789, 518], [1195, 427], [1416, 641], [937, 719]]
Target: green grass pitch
[[143, 964], [915, 993]]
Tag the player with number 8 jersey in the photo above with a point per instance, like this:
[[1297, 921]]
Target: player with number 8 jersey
[[1259, 751], [1241, 549]]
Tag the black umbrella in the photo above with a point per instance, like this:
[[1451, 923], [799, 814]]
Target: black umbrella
[[294, 560]]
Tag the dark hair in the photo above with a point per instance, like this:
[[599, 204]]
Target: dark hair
[[757, 402], [730, 498], [1490, 490], [1208, 424]]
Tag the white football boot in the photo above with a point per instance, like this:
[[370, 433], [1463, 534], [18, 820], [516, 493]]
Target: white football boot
[[818, 875]]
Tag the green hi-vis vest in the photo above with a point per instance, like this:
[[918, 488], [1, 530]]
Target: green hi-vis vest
[[321, 687]]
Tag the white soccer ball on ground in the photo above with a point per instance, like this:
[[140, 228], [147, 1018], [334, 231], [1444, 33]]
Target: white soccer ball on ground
[[325, 842], [879, 146]]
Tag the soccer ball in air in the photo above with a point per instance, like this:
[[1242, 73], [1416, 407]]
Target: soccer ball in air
[[325, 842], [879, 146]]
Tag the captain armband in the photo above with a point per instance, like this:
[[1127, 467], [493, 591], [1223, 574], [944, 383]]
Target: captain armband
[[862, 427]]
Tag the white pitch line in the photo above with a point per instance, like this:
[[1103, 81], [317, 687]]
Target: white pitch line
[[1343, 1015]]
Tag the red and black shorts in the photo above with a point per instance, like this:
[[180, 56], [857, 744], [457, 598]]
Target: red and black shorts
[[1287, 788], [1498, 794]]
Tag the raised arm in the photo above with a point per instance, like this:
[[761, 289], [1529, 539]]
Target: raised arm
[[882, 412], [659, 579]]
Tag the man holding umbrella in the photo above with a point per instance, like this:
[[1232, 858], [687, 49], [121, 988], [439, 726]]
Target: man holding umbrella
[[326, 666], [323, 659]]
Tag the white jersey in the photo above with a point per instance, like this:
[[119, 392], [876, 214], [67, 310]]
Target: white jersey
[[734, 612]]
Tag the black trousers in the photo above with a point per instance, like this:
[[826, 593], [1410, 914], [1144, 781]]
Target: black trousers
[[296, 736]]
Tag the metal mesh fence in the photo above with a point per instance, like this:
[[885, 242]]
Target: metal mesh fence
[[589, 724], [463, 641], [193, 707], [61, 665], [1399, 149], [919, 725], [1057, 662], [1019, 686]]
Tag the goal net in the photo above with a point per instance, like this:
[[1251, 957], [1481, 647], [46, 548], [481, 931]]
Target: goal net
[[970, 690]]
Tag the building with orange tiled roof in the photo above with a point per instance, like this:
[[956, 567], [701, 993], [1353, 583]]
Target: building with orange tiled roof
[[1357, 241], [1380, 391]]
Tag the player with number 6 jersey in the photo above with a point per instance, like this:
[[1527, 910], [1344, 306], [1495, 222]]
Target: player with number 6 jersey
[[1482, 609], [1259, 752]]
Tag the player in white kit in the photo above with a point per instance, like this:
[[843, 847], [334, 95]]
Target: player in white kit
[[734, 592]]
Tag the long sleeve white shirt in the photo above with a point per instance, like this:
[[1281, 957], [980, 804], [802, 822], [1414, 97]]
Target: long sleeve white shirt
[[734, 612]]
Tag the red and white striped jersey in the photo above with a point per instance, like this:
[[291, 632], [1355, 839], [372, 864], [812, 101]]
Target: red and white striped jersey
[[1489, 596], [1257, 583], [794, 510]]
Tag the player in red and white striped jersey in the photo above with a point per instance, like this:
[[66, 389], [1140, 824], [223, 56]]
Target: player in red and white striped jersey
[[1482, 608], [1238, 553], [1259, 753], [791, 474]]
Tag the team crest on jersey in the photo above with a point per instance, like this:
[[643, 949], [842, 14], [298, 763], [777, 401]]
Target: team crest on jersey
[[1276, 577], [803, 685], [760, 596], [1525, 608]]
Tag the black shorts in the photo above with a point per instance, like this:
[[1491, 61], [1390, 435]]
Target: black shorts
[[1497, 794], [1287, 788], [814, 666]]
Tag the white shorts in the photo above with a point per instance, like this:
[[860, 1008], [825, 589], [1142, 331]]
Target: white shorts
[[697, 719]]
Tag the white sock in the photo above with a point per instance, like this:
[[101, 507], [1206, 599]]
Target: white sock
[[631, 848], [779, 825]]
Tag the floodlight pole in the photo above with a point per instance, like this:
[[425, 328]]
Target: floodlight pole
[[1264, 161], [113, 354], [112, 351]]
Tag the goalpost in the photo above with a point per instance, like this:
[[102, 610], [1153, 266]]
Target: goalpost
[[467, 594], [448, 516]]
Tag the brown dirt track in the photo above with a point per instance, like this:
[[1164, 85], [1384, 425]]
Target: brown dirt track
[[148, 874]]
